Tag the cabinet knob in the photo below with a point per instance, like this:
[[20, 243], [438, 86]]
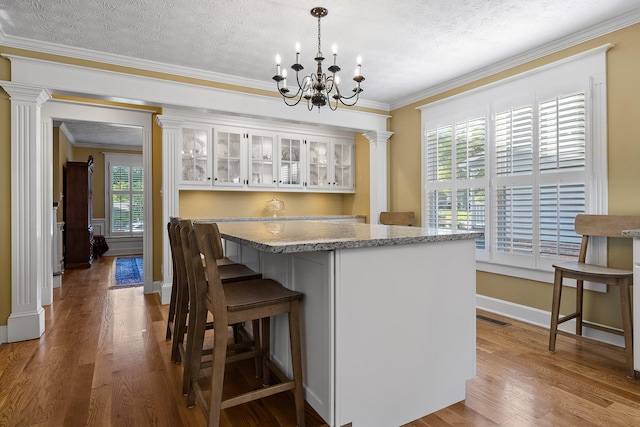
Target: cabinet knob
[[215, 179]]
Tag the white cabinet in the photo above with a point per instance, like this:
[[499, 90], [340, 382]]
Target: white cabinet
[[194, 152], [229, 169], [318, 156], [262, 162], [243, 158], [330, 164], [343, 165], [238, 158], [290, 162]]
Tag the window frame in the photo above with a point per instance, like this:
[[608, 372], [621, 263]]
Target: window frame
[[583, 72], [119, 159]]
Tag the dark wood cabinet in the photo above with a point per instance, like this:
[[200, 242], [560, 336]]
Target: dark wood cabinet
[[78, 230]]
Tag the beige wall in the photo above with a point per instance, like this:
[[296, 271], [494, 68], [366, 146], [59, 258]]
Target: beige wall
[[623, 61]]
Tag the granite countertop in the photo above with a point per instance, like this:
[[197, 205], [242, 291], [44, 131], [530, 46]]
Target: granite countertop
[[631, 233], [309, 236]]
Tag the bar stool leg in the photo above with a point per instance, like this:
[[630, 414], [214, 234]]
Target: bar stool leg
[[579, 304], [555, 309], [627, 324], [296, 361], [265, 327], [217, 376]]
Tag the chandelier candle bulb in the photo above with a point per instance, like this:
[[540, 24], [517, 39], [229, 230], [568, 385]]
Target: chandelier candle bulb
[[297, 53]]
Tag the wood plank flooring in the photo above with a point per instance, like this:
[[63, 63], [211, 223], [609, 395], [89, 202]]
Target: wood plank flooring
[[104, 361]]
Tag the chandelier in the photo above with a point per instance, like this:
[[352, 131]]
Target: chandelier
[[317, 89]]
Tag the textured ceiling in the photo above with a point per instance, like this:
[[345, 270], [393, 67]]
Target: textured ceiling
[[407, 46], [83, 133]]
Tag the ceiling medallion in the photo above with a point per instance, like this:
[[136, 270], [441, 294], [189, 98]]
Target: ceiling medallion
[[317, 89]]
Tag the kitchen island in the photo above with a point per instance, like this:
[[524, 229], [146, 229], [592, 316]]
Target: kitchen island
[[388, 317]]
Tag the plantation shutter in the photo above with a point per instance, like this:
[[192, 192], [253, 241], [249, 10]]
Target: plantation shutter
[[121, 199], [127, 207], [563, 161], [456, 176]]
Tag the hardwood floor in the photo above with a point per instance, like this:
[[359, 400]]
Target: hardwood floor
[[103, 361]]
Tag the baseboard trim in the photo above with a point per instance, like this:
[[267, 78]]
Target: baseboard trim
[[165, 293], [4, 334], [541, 318]]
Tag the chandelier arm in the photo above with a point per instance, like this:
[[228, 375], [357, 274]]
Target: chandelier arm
[[300, 86], [292, 104], [284, 95], [333, 107], [343, 99]]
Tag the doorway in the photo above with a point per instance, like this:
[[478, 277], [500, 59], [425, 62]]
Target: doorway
[[105, 119]]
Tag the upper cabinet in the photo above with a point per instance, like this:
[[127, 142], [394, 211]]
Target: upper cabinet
[[291, 165], [330, 164], [229, 157], [318, 160], [342, 164], [262, 159], [196, 162], [236, 158]]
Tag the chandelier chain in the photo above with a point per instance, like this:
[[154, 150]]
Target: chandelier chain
[[319, 47]]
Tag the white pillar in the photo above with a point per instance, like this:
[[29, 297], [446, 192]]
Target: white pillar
[[48, 220], [377, 173], [171, 139], [28, 234]]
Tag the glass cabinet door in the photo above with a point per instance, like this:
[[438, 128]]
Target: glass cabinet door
[[262, 171], [227, 155], [194, 154], [318, 161], [290, 161], [343, 165]]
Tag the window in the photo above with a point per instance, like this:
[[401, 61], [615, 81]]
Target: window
[[520, 159], [124, 194]]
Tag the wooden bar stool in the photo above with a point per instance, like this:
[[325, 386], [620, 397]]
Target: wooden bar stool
[[185, 314], [232, 303], [606, 226], [397, 218], [229, 272]]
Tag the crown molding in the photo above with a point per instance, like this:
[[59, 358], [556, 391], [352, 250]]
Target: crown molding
[[63, 127], [147, 65], [545, 50]]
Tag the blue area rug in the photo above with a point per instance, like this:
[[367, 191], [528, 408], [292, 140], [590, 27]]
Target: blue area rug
[[128, 272]]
